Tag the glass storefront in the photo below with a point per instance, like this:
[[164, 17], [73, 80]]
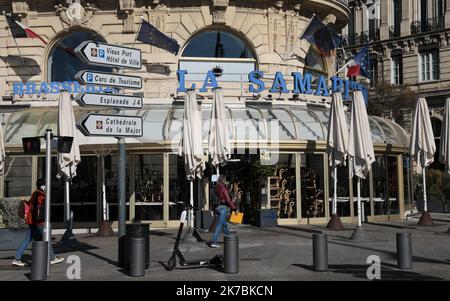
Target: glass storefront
[[149, 187], [296, 182], [83, 190], [385, 185], [365, 198], [178, 186], [343, 192], [379, 185], [393, 203], [282, 185], [312, 185], [18, 176], [111, 186]]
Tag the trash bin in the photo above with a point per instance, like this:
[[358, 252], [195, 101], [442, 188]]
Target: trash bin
[[137, 230]]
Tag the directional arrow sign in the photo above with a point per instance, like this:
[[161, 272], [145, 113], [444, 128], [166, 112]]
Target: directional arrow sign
[[101, 54], [108, 79], [109, 100], [111, 125]]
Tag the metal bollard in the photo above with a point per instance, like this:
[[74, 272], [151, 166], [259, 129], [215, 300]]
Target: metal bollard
[[320, 252], [404, 251], [39, 260], [137, 256], [231, 254]]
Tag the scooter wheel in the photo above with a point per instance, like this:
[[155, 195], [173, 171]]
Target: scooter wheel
[[171, 263]]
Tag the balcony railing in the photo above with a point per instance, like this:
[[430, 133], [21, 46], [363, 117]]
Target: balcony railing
[[362, 37], [394, 32], [428, 25]]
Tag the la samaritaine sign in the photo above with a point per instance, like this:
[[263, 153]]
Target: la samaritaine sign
[[302, 84]]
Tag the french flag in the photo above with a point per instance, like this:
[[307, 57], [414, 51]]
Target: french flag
[[360, 65], [30, 33]]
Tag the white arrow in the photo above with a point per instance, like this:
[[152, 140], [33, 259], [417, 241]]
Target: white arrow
[[111, 125], [108, 79], [101, 54], [109, 100]]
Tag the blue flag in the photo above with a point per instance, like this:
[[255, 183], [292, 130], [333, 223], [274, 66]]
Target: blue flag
[[148, 34], [322, 37]]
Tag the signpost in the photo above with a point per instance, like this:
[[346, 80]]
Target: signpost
[[111, 125], [101, 54], [118, 126], [109, 100], [108, 79]]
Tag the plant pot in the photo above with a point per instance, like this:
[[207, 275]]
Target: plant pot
[[266, 218], [10, 239]]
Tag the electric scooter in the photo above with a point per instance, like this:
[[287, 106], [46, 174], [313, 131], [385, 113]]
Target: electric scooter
[[215, 262]]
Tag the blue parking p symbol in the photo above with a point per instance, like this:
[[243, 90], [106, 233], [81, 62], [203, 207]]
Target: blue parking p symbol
[[89, 78], [101, 53]]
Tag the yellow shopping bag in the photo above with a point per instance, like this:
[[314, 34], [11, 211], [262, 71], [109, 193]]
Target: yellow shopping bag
[[236, 217]]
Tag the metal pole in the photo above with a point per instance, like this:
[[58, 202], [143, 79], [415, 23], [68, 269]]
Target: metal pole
[[191, 213], [404, 251], [335, 190], [231, 254], [359, 201], [105, 216], [48, 171], [121, 193], [39, 260], [137, 256], [320, 252], [425, 208], [67, 202]]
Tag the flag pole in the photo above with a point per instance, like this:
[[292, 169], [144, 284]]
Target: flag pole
[[15, 42]]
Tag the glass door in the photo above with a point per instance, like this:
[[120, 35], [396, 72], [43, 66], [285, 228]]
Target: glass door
[[149, 187]]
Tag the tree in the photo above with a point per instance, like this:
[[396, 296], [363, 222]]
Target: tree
[[395, 99]]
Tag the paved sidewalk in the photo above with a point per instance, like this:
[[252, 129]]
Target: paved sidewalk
[[281, 253]]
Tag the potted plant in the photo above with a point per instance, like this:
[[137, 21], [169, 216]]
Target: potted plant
[[12, 228]]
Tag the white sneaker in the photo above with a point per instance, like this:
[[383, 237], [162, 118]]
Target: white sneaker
[[18, 263], [214, 245], [56, 260]]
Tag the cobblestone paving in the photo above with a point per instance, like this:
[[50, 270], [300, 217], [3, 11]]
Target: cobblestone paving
[[281, 253]]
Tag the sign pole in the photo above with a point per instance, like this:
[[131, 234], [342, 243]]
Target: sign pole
[[121, 174], [121, 193], [48, 171]]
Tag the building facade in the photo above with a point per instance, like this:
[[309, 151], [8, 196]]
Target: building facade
[[409, 48], [278, 134]]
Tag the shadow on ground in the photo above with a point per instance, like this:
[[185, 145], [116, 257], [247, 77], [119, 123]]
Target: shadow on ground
[[388, 272]]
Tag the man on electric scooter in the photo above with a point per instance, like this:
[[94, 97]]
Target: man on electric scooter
[[224, 199]]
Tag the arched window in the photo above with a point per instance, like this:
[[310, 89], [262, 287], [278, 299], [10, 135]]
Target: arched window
[[221, 51], [314, 64], [63, 64]]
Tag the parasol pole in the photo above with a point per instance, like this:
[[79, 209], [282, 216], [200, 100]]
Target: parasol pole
[[191, 183], [335, 190], [425, 207], [67, 201], [359, 201], [105, 210]]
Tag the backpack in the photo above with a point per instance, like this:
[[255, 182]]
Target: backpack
[[24, 212]]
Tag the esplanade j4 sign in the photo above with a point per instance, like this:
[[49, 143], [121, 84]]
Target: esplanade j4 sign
[[300, 84]]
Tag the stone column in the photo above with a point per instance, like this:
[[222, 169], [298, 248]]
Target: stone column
[[384, 27], [405, 26], [447, 14]]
